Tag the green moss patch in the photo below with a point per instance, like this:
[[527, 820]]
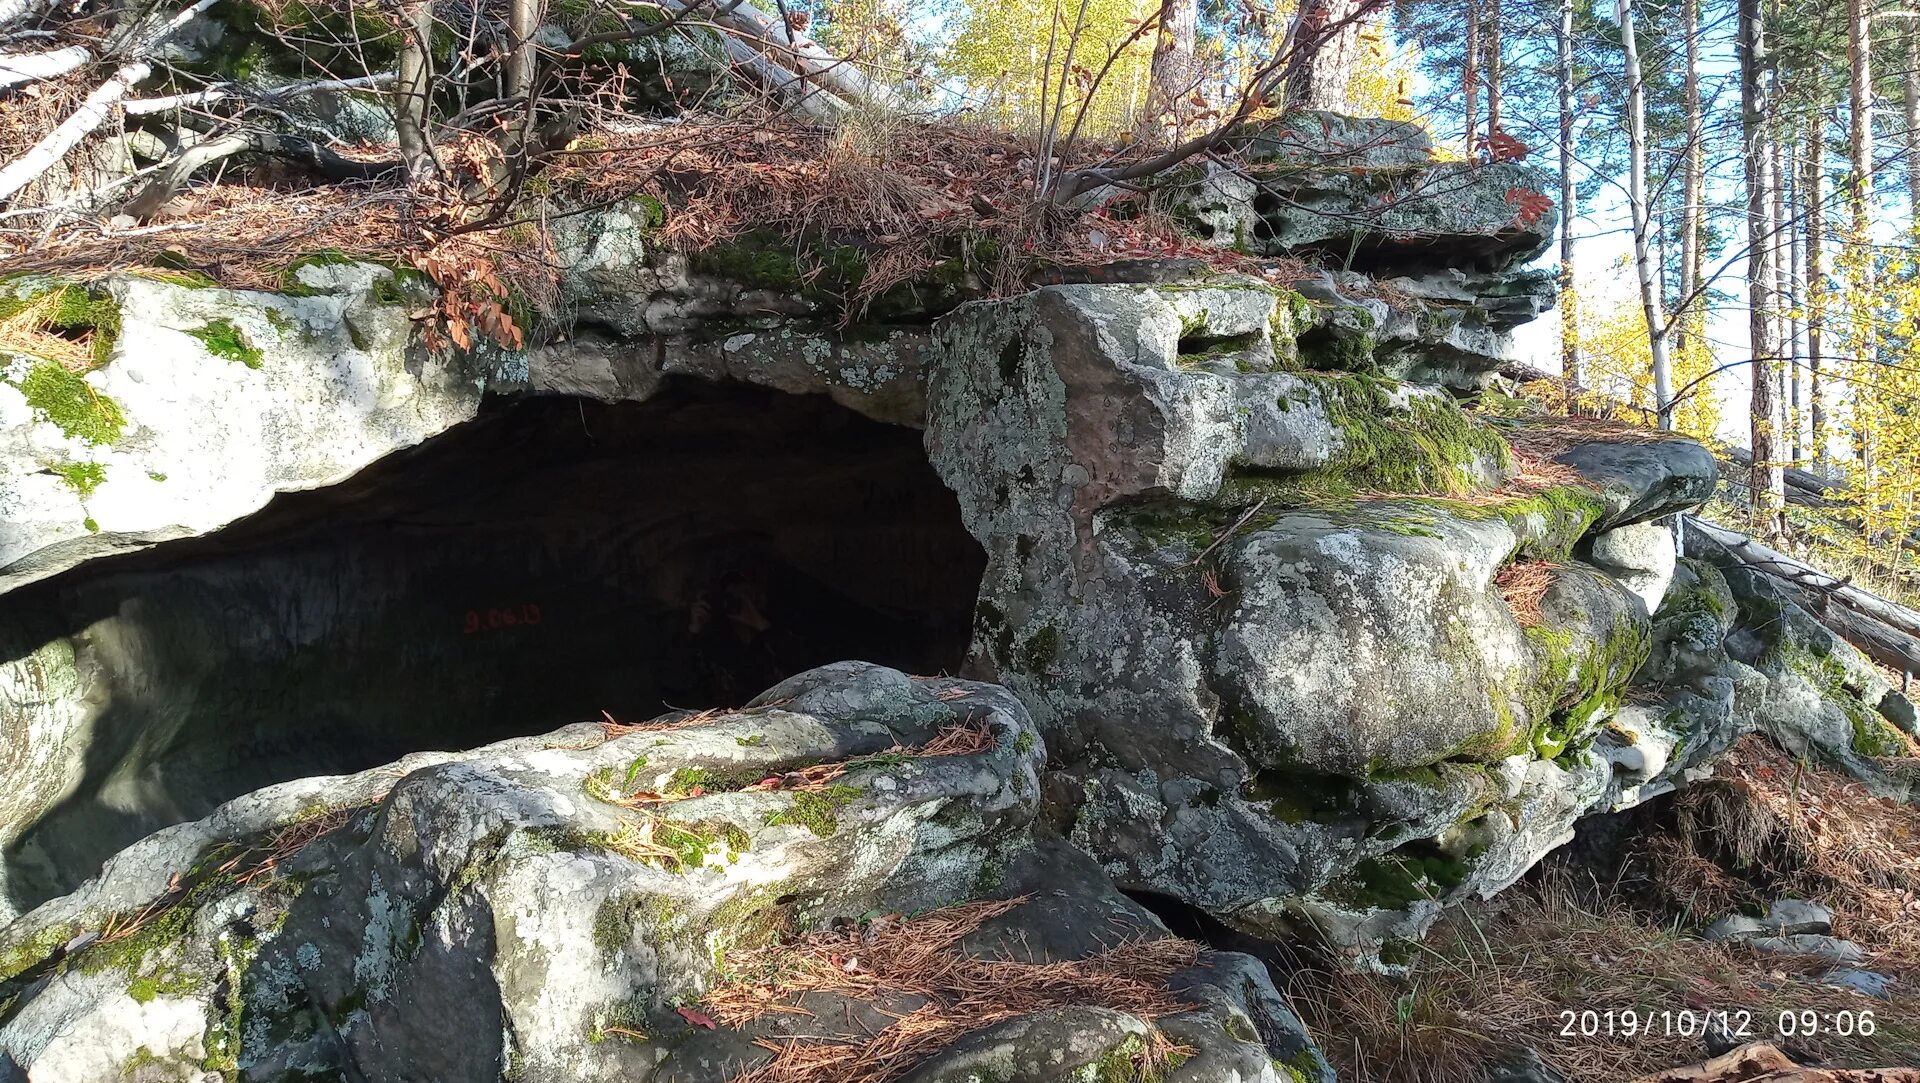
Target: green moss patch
[[83, 478], [816, 810], [1397, 880], [66, 399], [1573, 682], [406, 285], [224, 339], [1428, 446]]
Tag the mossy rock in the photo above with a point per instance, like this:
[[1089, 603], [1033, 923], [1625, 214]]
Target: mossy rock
[[1426, 446]]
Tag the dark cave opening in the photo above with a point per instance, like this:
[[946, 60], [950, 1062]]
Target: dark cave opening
[[551, 560]]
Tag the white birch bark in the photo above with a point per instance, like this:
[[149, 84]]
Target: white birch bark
[[39, 158], [1650, 300]]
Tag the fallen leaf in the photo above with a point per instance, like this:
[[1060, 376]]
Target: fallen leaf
[[697, 1018]]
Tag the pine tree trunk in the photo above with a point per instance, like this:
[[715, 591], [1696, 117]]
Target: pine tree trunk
[[1782, 292], [1795, 309], [1692, 176], [1910, 88], [1650, 300], [1859, 197], [1859, 116], [1490, 43], [1814, 196], [1173, 76], [1328, 33], [1470, 78], [1570, 302], [1767, 483]]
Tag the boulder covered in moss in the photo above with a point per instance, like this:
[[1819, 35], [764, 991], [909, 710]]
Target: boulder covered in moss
[[1820, 696], [1287, 632], [585, 904]]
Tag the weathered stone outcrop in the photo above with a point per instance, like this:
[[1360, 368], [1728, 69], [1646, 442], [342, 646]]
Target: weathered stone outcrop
[[1273, 692], [1813, 693], [1445, 242], [513, 912], [209, 403]]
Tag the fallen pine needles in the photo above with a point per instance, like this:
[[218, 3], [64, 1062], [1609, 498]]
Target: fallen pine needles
[[894, 957]]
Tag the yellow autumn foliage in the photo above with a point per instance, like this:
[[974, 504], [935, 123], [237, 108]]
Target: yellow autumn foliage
[[1878, 445], [998, 60], [1617, 369]]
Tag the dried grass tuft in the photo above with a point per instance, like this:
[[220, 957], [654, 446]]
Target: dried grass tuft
[[1770, 826], [29, 330], [1499, 977], [920, 957]]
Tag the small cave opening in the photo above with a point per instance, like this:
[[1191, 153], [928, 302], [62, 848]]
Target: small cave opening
[[553, 559]]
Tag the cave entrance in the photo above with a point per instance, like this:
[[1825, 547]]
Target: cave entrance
[[553, 559]]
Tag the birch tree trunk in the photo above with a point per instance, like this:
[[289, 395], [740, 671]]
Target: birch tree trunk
[[1813, 191], [1172, 79], [1569, 299], [1650, 300], [1768, 481]]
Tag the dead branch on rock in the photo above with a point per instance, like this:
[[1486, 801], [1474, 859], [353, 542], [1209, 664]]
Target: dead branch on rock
[[211, 151]]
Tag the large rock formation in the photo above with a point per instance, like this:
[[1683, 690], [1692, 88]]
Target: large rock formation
[[1286, 635], [1256, 611]]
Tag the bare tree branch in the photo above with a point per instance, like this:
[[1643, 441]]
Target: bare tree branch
[[39, 158], [205, 153], [19, 68]]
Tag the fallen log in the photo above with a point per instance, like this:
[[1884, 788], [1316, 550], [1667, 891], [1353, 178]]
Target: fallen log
[[1884, 631], [1759, 1062], [795, 90], [795, 50], [1804, 487], [19, 68]]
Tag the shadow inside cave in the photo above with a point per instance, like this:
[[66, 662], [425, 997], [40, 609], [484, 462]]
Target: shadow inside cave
[[552, 559]]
